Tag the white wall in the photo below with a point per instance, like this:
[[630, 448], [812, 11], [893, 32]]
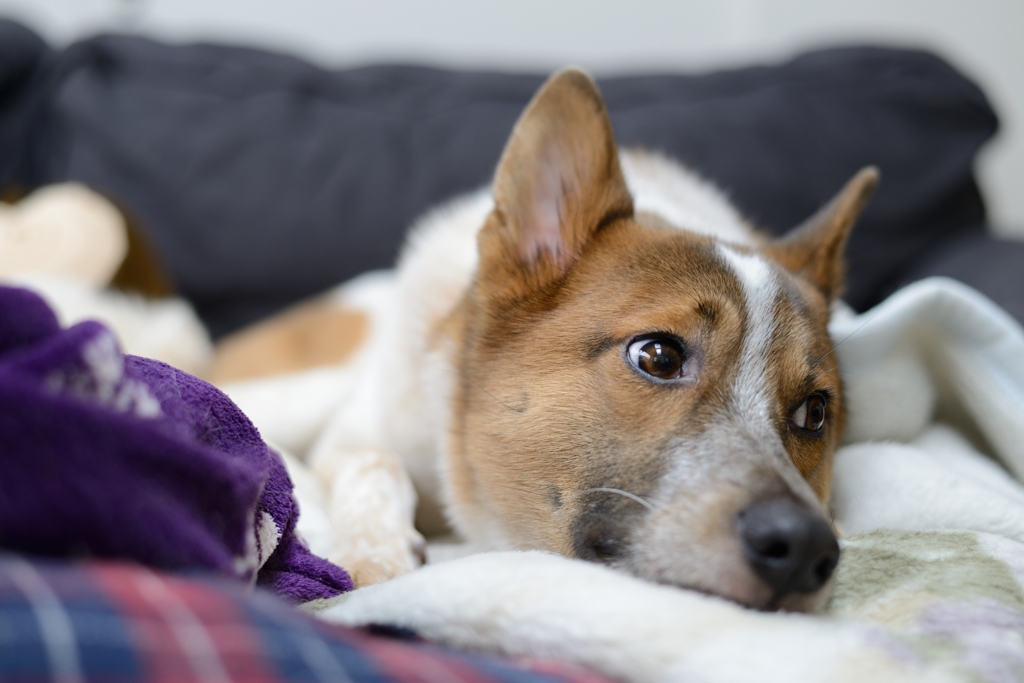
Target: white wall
[[985, 38]]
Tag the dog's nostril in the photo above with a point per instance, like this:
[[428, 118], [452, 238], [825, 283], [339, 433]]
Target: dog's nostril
[[776, 550], [788, 545], [825, 566]]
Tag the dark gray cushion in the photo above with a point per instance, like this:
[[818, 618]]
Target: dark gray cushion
[[993, 266], [263, 179]]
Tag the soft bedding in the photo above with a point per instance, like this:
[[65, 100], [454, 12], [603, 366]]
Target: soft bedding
[[909, 606]]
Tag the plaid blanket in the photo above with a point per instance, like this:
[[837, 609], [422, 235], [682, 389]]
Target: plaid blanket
[[109, 621]]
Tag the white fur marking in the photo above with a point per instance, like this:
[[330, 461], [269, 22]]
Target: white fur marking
[[751, 390]]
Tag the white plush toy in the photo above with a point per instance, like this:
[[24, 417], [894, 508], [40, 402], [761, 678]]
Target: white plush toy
[[67, 242]]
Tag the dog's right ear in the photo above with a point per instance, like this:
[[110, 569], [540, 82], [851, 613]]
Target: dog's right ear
[[557, 183], [814, 250]]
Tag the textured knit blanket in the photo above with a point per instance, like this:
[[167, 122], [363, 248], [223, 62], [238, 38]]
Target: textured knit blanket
[[931, 581], [108, 455]]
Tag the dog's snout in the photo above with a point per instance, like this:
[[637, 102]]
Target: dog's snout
[[788, 546]]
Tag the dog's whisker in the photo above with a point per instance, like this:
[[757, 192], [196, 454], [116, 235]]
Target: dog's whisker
[[632, 496]]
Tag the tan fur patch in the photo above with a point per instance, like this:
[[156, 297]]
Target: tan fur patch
[[313, 334]]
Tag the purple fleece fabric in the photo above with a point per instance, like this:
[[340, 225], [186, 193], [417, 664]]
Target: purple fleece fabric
[[109, 455]]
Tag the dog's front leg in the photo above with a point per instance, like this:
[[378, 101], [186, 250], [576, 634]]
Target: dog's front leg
[[371, 501], [371, 505]]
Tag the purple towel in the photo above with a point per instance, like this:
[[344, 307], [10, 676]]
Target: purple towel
[[108, 455]]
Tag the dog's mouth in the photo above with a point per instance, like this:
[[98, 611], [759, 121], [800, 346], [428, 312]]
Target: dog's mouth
[[740, 590], [806, 603]]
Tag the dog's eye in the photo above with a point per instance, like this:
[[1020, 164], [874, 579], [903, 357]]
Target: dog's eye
[[662, 358], [811, 414]]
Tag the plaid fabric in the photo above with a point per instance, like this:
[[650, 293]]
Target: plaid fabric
[[108, 621]]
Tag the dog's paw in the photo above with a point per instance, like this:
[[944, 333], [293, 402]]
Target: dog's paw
[[369, 561]]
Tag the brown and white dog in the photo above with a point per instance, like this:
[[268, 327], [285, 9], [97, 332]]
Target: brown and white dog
[[598, 357]]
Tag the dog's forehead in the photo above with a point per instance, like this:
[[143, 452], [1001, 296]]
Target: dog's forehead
[[784, 318], [658, 271], [664, 271]]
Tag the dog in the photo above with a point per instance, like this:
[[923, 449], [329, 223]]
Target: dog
[[599, 357]]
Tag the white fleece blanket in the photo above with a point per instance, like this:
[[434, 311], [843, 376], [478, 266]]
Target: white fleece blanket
[[931, 582]]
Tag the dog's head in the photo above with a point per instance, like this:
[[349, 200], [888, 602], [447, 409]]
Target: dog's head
[[641, 395]]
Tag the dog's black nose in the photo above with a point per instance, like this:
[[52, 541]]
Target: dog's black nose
[[788, 545]]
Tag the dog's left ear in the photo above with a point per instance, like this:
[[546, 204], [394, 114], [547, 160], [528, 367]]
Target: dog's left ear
[[814, 250]]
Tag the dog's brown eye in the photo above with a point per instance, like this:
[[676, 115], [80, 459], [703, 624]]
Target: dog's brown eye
[[811, 414], [661, 358]]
